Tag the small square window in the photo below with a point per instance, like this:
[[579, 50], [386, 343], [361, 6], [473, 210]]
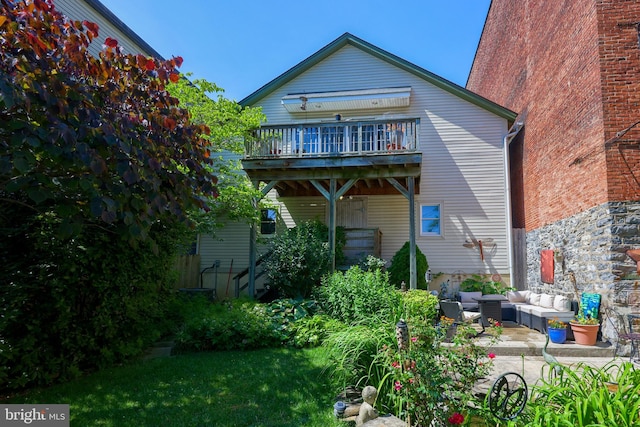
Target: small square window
[[268, 221], [430, 220]]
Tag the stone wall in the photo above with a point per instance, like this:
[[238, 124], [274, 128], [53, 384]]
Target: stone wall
[[591, 247]]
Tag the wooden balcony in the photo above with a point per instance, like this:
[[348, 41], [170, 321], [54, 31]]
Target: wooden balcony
[[366, 157], [335, 138]]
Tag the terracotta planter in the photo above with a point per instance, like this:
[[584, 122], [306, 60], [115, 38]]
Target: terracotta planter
[[585, 334]]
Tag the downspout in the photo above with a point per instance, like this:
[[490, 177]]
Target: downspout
[[515, 129]]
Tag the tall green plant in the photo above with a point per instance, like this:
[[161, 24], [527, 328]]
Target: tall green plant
[[583, 396], [298, 260], [357, 296], [399, 270]]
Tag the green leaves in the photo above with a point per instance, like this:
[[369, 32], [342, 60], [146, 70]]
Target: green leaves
[[102, 127]]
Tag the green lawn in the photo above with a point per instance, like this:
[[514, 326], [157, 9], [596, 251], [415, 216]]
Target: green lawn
[[275, 387]]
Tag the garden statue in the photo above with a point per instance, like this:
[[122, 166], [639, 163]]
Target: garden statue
[[402, 335], [367, 411]]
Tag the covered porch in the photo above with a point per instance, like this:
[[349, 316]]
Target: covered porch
[[336, 161]]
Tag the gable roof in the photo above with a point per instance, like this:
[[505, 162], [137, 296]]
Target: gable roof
[[350, 39], [116, 22]]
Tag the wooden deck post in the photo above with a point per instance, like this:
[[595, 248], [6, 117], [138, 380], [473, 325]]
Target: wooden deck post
[[413, 271]]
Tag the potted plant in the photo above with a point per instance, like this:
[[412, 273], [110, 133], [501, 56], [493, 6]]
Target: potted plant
[[585, 328], [557, 330]]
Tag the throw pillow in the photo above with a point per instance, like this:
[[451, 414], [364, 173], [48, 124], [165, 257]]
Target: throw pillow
[[469, 296]]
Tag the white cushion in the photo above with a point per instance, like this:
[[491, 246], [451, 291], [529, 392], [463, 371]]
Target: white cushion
[[470, 315], [546, 300], [534, 298], [517, 296], [561, 303], [469, 296], [539, 311]]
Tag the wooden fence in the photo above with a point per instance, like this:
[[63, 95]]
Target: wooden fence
[[188, 268]]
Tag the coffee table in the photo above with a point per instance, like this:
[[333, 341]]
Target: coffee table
[[490, 308]]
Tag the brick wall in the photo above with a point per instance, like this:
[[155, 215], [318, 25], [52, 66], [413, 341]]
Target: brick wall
[[541, 59], [620, 64]]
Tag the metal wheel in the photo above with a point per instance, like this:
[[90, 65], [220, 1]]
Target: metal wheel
[[508, 396]]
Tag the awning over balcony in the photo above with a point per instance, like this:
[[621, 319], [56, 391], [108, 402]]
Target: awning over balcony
[[336, 102]]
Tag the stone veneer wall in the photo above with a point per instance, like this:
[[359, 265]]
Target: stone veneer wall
[[591, 246]]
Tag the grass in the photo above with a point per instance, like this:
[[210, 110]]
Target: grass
[[274, 387]]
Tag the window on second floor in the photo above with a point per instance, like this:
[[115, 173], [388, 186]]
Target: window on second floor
[[431, 220]]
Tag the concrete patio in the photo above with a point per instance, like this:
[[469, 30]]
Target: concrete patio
[[517, 340]]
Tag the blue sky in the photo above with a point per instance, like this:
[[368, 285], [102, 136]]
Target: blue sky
[[242, 44]]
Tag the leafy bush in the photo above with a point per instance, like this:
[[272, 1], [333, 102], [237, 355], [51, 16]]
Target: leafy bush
[[480, 283], [399, 269], [357, 296], [72, 306], [233, 325], [372, 263], [420, 306], [284, 313], [298, 260], [312, 331]]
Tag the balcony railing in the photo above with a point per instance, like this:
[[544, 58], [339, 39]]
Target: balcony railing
[[335, 138]]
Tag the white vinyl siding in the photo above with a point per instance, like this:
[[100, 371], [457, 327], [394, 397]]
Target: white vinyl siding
[[462, 160], [79, 10]]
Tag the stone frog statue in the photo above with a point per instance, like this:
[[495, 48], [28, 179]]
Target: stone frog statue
[[367, 411]]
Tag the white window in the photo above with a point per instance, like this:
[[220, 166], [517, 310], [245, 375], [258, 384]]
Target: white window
[[268, 221], [431, 220]]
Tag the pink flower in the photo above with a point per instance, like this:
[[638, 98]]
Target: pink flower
[[414, 339], [398, 386], [498, 324], [395, 364], [491, 355], [456, 419]]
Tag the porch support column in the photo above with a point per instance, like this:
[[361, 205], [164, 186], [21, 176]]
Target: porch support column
[[409, 193], [252, 250], [332, 223], [332, 196], [253, 237], [413, 270]]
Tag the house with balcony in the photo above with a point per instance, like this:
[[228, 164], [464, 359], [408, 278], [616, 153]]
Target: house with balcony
[[363, 139]]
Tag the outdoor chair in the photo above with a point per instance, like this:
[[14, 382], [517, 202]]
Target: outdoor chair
[[453, 310], [633, 336]]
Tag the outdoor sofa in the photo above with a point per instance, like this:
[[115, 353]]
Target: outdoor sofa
[[527, 308], [534, 309]]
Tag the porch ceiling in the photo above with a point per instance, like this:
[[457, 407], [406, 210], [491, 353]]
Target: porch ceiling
[[293, 175]]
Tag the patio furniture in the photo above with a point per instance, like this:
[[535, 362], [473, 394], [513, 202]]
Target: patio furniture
[[490, 308], [633, 336], [453, 310]]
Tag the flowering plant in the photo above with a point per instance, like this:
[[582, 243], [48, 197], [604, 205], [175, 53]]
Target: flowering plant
[[432, 383], [585, 319], [555, 323]]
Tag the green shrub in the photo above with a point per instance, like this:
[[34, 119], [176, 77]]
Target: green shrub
[[232, 325], [357, 296], [298, 260], [399, 269], [312, 331], [284, 313], [76, 305], [480, 283], [420, 306]]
